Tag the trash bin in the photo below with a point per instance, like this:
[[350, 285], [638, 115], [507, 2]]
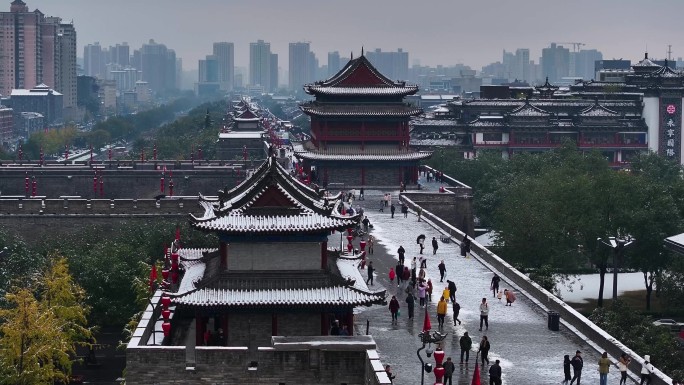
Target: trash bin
[[554, 321]]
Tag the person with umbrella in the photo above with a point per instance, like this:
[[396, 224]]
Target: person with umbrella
[[421, 242]]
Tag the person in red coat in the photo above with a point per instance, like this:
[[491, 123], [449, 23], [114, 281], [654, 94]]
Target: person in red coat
[[394, 308], [428, 292], [392, 274]]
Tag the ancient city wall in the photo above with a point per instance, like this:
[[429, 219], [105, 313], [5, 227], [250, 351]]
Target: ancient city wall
[[570, 318]]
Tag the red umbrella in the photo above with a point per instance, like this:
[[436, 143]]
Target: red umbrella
[[153, 277], [476, 375], [426, 322]]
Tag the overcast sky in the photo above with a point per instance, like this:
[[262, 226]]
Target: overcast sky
[[472, 32]]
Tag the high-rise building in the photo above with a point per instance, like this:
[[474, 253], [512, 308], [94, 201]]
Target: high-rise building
[[158, 66], [555, 62], [274, 73], [120, 54], [260, 64], [225, 60], [301, 70], [583, 63], [522, 64], [92, 60], [37, 50], [392, 64], [334, 65]]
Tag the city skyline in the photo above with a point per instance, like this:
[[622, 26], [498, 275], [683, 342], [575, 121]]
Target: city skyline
[[474, 33]]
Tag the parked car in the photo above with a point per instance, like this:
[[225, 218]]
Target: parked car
[[672, 324]]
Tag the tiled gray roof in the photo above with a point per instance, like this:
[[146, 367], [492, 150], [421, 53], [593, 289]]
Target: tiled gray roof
[[375, 91], [318, 109]]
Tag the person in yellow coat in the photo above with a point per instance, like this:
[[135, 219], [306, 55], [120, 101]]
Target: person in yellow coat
[[446, 294], [441, 312]]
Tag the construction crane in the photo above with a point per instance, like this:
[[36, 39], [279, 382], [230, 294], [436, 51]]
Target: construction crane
[[576, 46]]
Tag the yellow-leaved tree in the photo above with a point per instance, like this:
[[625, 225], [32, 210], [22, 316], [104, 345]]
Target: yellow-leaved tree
[[39, 334]]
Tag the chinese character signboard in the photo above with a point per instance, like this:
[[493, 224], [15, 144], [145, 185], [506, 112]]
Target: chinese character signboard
[[670, 128]]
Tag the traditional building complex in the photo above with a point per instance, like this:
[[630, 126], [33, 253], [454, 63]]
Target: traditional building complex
[[258, 308], [242, 134], [360, 129], [638, 112]]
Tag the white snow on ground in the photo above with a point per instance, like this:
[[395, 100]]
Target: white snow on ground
[[529, 352]]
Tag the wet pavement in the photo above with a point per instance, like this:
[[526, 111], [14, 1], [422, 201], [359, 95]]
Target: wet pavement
[[528, 351]]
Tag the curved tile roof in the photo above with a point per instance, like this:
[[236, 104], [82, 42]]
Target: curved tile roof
[[401, 110]]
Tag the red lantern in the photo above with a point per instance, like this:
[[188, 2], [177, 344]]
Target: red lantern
[[174, 276], [439, 356], [26, 185], [174, 265], [165, 274], [199, 153], [350, 231], [101, 187], [349, 247], [362, 244], [166, 327], [166, 314], [35, 187], [161, 185], [166, 301], [95, 184], [439, 374], [171, 188], [42, 156]]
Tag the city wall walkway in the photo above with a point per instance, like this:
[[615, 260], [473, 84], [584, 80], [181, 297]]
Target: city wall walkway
[[529, 352]]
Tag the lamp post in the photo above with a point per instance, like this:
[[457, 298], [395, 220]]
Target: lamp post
[[428, 339], [618, 244]]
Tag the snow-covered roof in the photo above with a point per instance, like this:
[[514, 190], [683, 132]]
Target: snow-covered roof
[[241, 223], [241, 135], [369, 109], [331, 296], [348, 269], [377, 153]]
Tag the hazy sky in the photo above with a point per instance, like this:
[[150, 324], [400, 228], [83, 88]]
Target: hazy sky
[[472, 32]]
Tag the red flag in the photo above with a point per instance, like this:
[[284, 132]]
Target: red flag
[[153, 276], [476, 375], [426, 322]]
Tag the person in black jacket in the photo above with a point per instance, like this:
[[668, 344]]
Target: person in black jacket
[[452, 291], [399, 270], [435, 245], [371, 270], [495, 374], [577, 362], [410, 303], [566, 369], [442, 271], [401, 253], [392, 209]]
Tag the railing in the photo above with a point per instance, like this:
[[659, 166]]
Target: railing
[[573, 320]]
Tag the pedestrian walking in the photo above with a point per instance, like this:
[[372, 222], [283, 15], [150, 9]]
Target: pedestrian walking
[[404, 210], [465, 247], [646, 370], [392, 274], [422, 262], [401, 253], [361, 197], [407, 274], [399, 271], [419, 211], [387, 198], [484, 313], [382, 205], [446, 293], [442, 271], [623, 363], [394, 308], [604, 368], [494, 285], [510, 297], [566, 369], [577, 362], [413, 268], [421, 243], [452, 290], [421, 275], [410, 304], [428, 292], [441, 312], [484, 350], [392, 209], [365, 222], [466, 343], [449, 369], [371, 270], [371, 242], [421, 294], [495, 374], [435, 245], [388, 371], [456, 307]]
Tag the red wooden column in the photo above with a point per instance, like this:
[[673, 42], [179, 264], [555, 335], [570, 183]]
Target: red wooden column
[[223, 251], [274, 324], [224, 326], [324, 324], [324, 255], [350, 322], [200, 328]]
